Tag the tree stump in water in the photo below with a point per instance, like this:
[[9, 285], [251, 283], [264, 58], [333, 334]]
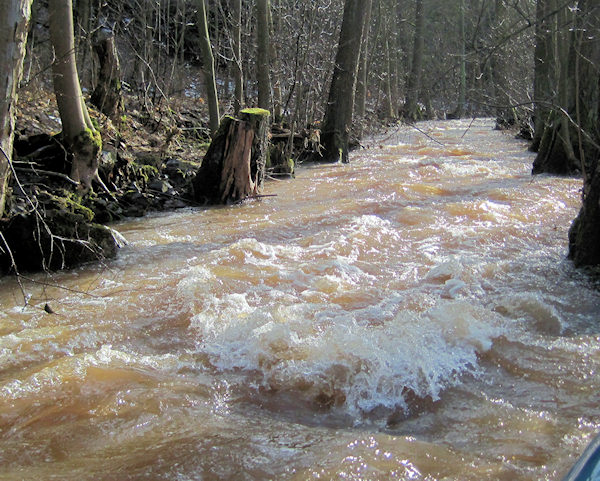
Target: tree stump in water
[[233, 169]]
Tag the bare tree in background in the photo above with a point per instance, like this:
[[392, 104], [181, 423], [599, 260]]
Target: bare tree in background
[[338, 115], [208, 68], [263, 66]]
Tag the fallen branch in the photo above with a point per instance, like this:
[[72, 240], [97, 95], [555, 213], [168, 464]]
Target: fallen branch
[[47, 173]]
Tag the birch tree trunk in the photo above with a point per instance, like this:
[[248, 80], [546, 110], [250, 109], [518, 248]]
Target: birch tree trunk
[[81, 138], [14, 19], [338, 115], [208, 68]]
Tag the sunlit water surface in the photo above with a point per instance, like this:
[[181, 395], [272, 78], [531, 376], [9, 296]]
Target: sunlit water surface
[[411, 315]]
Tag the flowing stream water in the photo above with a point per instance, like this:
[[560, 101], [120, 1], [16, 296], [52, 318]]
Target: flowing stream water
[[411, 315]]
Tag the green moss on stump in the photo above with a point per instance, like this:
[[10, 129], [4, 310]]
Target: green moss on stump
[[255, 111]]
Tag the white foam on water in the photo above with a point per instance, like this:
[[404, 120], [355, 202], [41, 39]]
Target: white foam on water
[[533, 311], [317, 349]]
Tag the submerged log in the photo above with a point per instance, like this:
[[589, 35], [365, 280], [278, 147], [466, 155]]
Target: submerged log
[[233, 169]]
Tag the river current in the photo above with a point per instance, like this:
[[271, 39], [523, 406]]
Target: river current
[[411, 315]]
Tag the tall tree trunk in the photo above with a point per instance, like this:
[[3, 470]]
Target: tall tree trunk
[[557, 154], [14, 18], [81, 138], [275, 25], [389, 74], [363, 70], [263, 54], [411, 108], [584, 235], [83, 32], [462, 85], [505, 115], [208, 68], [237, 55], [340, 105], [545, 67]]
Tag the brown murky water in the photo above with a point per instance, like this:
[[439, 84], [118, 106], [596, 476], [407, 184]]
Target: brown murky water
[[408, 316]]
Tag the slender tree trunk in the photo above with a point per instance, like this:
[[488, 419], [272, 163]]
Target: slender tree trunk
[[389, 100], [237, 55], [411, 108], [462, 87], [505, 113], [14, 18], [80, 136], [83, 12], [545, 67], [208, 68], [275, 26], [338, 115], [263, 54], [363, 71]]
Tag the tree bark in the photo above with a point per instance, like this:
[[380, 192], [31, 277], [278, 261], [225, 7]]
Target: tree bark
[[275, 63], [411, 108], [208, 68], [584, 235], [363, 70], [233, 168], [557, 151], [545, 67], [505, 115], [263, 54], [107, 94], [237, 55], [14, 19], [81, 138], [338, 115], [462, 86]]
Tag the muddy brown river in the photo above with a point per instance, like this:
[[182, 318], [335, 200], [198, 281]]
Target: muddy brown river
[[409, 316]]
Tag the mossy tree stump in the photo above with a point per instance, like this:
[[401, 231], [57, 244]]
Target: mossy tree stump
[[233, 169]]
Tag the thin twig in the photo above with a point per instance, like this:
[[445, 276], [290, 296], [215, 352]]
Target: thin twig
[[58, 286], [48, 173], [468, 128], [427, 135], [14, 266]]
